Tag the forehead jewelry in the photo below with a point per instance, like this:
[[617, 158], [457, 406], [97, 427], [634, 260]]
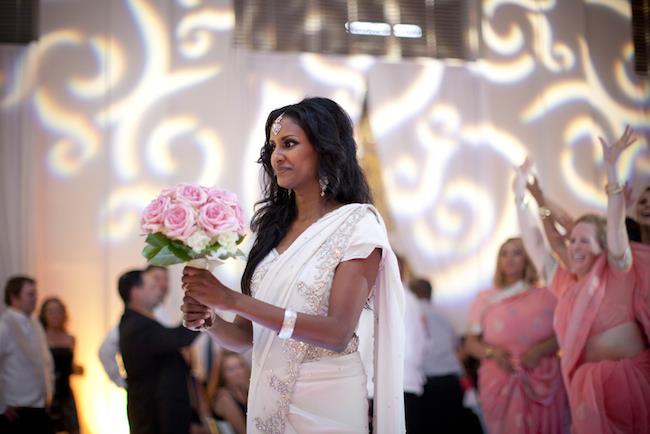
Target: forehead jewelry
[[276, 127]]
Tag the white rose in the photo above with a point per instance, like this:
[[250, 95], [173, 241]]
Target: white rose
[[228, 243], [198, 241]]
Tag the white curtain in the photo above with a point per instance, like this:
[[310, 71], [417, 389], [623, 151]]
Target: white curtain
[[17, 180]]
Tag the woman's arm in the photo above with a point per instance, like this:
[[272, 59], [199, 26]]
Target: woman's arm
[[555, 239], [351, 287], [617, 241], [475, 346], [530, 232], [235, 336], [76, 369], [544, 348]]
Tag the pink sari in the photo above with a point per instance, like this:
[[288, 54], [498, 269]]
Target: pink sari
[[526, 401], [610, 396]]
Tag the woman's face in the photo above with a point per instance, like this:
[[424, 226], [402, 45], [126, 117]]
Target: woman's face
[[643, 208], [54, 314], [583, 248], [234, 371], [512, 260], [294, 159]]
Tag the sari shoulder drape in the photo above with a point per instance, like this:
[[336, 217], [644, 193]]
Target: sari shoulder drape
[[580, 300], [300, 278]]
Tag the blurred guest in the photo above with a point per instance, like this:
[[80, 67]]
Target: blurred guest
[[602, 320], [158, 398], [63, 412], [415, 340], [638, 228], [26, 367], [202, 421], [511, 331], [442, 398], [228, 390], [110, 347]]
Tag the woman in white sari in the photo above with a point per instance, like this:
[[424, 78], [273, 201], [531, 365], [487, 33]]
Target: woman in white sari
[[321, 254]]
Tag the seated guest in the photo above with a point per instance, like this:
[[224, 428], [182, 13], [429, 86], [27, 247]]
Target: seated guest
[[158, 399], [63, 412], [26, 368], [228, 390]]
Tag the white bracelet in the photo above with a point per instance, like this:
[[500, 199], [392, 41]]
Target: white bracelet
[[288, 324]]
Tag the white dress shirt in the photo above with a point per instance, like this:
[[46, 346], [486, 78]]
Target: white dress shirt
[[440, 350], [26, 366], [109, 350], [415, 339]]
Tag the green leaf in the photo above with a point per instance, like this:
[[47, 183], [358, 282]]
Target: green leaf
[[158, 240], [150, 251], [166, 257], [180, 251], [213, 248]]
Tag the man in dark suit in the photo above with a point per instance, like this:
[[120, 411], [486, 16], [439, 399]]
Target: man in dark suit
[[157, 375]]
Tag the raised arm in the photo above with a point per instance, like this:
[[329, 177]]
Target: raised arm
[[618, 243], [530, 233], [553, 236], [351, 287]]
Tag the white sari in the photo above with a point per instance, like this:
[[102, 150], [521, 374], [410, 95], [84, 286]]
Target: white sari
[[301, 388]]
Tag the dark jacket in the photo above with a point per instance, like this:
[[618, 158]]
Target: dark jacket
[[157, 389]]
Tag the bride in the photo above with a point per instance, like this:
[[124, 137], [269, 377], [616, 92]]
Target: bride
[[321, 254]]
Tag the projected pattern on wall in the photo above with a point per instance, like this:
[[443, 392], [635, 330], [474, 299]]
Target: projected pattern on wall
[[145, 94]]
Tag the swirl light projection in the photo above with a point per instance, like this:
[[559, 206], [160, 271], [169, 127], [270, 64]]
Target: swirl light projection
[[132, 96]]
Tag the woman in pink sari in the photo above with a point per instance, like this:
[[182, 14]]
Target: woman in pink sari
[[511, 331], [602, 318]]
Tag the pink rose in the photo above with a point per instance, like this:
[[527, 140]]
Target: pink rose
[[169, 192], [239, 215], [216, 218], [192, 195], [221, 195], [178, 222], [229, 199], [152, 216]]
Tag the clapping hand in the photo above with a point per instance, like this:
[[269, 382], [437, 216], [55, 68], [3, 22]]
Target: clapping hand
[[531, 358], [502, 358]]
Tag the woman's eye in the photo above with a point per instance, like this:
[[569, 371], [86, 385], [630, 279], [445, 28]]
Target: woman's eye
[[290, 143]]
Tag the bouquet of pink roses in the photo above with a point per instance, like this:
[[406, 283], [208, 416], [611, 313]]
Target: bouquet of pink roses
[[191, 222]]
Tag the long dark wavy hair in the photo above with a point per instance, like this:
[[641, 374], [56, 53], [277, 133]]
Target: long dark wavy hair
[[329, 129]]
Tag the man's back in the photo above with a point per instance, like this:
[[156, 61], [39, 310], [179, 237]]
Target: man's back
[[158, 398]]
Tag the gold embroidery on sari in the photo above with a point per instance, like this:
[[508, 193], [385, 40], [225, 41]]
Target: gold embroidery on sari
[[316, 302]]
